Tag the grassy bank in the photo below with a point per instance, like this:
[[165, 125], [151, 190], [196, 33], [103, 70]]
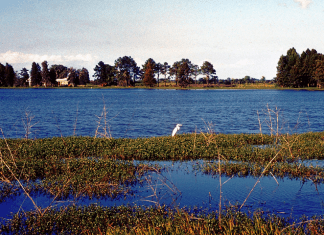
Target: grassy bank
[[240, 147]]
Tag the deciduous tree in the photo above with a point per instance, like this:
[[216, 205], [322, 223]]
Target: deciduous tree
[[73, 77], [149, 79], [84, 76]]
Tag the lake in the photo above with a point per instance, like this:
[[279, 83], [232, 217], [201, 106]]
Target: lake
[[133, 113]]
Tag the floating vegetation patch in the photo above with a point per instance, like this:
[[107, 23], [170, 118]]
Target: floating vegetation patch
[[70, 177], [279, 169]]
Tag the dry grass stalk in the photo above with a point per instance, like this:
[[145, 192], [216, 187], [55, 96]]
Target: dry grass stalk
[[264, 170], [27, 122], [105, 125], [160, 183], [260, 125], [20, 184]]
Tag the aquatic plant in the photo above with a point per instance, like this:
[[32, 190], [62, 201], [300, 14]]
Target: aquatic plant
[[94, 219]]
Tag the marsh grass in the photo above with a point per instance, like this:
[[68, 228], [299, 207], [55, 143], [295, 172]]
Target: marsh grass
[[63, 167], [96, 219]]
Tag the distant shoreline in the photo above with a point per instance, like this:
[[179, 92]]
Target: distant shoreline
[[173, 87]]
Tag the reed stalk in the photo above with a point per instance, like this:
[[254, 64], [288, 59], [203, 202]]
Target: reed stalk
[[15, 177], [258, 180]]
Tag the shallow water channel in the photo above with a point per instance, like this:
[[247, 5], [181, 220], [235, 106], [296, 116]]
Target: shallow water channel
[[181, 184]]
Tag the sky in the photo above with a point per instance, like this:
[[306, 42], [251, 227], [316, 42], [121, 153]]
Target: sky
[[239, 37]]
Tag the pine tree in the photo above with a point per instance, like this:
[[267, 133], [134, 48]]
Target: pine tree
[[2, 75], [10, 75], [208, 69], [319, 73], [52, 76], [45, 73], [35, 74]]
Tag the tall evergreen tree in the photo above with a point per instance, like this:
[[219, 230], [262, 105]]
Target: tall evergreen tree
[[196, 71], [35, 74], [2, 75], [287, 69], [319, 73], [45, 73], [10, 75], [100, 72], [158, 71], [282, 78], [297, 71], [183, 74], [174, 71], [165, 70], [52, 76]]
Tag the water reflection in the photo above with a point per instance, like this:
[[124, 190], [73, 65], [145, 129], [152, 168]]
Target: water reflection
[[179, 184]]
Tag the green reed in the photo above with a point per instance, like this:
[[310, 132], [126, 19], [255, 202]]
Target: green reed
[[240, 147], [279, 169], [95, 219]]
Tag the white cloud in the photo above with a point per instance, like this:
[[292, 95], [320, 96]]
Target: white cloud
[[18, 57], [304, 3]]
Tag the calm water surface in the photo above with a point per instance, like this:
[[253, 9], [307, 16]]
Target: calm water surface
[[180, 186], [145, 113]]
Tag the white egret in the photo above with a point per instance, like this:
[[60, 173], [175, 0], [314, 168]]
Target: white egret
[[176, 129]]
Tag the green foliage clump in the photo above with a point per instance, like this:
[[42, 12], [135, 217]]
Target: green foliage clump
[[95, 219]]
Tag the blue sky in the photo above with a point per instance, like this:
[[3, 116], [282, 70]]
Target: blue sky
[[239, 37]]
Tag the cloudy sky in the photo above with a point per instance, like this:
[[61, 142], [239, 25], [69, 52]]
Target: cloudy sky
[[239, 37]]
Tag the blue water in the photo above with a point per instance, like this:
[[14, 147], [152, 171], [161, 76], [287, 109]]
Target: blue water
[[145, 113], [179, 185]]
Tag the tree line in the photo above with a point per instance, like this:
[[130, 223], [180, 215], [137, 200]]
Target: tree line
[[42, 75], [125, 72], [305, 70]]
